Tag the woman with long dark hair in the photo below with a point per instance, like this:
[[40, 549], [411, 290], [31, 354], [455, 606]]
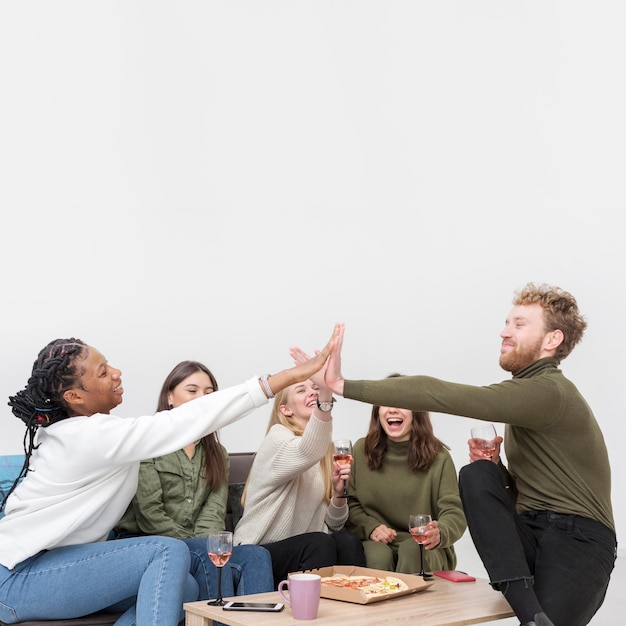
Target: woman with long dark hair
[[400, 469], [184, 494]]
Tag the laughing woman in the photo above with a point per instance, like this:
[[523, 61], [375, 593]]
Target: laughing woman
[[293, 499], [401, 468]]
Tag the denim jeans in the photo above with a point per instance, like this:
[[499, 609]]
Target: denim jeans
[[567, 558], [147, 576], [249, 570]]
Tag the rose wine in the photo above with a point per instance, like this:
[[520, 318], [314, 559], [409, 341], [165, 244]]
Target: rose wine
[[219, 559], [488, 449], [418, 534], [343, 458]]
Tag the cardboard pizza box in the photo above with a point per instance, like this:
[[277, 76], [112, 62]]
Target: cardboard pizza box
[[414, 582]]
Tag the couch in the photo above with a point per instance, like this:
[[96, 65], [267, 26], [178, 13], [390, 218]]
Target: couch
[[240, 464]]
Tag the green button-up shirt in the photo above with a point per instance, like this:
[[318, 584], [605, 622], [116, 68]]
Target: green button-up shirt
[[174, 499]]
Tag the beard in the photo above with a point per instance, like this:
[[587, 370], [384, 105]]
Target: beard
[[520, 357]]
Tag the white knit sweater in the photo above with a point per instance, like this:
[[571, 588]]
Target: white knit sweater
[[285, 495]]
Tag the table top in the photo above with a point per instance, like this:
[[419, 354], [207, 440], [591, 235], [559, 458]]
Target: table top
[[444, 603]]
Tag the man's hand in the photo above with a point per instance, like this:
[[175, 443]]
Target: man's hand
[[476, 453], [333, 375]]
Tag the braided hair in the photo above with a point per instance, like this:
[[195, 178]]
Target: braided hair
[[41, 402]]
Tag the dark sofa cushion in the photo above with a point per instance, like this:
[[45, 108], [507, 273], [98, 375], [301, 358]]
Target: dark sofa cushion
[[235, 491], [240, 464]]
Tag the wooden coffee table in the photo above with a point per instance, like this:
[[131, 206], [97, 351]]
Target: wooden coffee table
[[443, 604]]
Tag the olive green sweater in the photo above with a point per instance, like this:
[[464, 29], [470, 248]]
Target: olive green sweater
[[390, 494], [555, 449]]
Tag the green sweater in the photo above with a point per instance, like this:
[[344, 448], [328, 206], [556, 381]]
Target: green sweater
[[174, 500], [554, 446], [393, 492]]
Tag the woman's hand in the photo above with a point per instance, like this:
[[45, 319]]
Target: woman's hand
[[476, 453], [383, 534], [300, 356], [341, 472]]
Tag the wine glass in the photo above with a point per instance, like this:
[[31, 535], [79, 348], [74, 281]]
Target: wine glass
[[418, 525], [484, 437], [220, 547], [343, 455]]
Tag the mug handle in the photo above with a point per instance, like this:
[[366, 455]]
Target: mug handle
[[281, 586]]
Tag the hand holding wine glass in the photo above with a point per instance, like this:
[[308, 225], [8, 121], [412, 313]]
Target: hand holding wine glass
[[343, 456], [418, 525], [220, 547], [484, 441]]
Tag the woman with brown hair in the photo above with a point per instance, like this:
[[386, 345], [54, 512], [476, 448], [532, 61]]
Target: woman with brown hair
[[184, 494], [401, 469]]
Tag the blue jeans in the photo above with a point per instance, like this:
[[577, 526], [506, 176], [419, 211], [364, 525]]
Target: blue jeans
[[148, 577], [248, 571]]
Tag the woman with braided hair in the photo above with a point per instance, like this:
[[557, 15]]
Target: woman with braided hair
[[79, 476]]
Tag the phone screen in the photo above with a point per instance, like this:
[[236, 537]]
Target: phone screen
[[253, 606]]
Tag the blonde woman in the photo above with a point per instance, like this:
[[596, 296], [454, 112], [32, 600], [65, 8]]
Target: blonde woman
[[293, 504]]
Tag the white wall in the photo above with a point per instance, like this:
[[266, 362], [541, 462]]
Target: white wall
[[222, 180]]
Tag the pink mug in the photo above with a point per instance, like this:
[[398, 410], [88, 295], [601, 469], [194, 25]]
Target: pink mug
[[304, 594]]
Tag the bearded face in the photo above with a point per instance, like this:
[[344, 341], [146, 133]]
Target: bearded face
[[516, 356]]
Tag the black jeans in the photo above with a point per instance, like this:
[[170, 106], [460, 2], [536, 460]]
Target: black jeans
[[311, 551], [568, 558]]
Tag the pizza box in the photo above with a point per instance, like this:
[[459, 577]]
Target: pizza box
[[415, 583]]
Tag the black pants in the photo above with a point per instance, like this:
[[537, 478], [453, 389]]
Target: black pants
[[567, 558], [311, 551]]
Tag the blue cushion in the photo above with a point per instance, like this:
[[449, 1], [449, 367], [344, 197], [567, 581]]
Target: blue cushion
[[10, 467]]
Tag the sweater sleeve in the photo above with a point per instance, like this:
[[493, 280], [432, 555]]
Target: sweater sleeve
[[293, 455], [336, 516], [125, 440], [528, 402]]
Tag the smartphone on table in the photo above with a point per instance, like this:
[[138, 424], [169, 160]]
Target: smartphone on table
[[254, 606]]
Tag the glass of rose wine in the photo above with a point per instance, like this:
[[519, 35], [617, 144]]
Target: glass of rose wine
[[418, 525], [484, 437], [220, 547], [343, 456]]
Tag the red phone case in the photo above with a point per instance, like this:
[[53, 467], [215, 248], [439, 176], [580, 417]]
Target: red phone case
[[454, 575]]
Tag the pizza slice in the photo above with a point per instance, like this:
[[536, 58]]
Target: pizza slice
[[369, 585]]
